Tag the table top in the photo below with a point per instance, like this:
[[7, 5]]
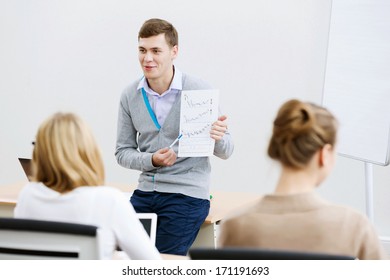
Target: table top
[[222, 203]]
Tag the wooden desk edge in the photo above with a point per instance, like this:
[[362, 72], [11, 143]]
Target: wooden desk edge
[[9, 202], [216, 214]]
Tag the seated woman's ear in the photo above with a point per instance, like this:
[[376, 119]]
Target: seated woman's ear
[[327, 156]]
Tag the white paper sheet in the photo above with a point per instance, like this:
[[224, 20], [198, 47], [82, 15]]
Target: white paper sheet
[[199, 110]]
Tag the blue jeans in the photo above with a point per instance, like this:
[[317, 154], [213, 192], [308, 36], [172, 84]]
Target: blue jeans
[[179, 218]]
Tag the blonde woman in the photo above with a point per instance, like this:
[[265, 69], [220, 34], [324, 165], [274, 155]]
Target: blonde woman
[[294, 217], [68, 186]]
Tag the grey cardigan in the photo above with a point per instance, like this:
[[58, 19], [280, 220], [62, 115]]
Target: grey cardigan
[[138, 138]]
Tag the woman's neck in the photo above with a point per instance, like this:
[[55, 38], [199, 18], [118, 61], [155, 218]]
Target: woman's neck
[[294, 181]]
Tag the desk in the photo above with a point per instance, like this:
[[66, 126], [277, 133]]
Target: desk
[[8, 198], [221, 206]]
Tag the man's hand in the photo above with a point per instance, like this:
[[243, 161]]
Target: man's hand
[[164, 157], [219, 128]]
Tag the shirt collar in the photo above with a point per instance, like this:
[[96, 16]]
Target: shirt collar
[[177, 82]]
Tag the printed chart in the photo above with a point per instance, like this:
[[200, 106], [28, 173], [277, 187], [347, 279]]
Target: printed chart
[[199, 109]]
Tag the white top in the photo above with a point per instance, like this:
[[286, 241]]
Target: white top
[[102, 206]]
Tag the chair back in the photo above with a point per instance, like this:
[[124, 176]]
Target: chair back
[[238, 253], [37, 239]]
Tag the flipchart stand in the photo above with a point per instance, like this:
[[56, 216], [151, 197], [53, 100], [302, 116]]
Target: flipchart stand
[[369, 182]]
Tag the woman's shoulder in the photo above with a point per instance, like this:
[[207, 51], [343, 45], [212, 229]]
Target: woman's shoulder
[[348, 216], [35, 187], [104, 195], [100, 190], [345, 210]]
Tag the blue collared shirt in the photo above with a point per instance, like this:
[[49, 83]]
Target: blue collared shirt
[[161, 104]]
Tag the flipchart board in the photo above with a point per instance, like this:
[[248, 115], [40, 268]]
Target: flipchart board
[[357, 78]]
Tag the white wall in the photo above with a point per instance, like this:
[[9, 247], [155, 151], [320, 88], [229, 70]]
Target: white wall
[[78, 55]]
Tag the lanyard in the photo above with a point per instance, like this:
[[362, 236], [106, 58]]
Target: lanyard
[[150, 110]]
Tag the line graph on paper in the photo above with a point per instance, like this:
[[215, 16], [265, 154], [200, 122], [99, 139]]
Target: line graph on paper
[[199, 109]]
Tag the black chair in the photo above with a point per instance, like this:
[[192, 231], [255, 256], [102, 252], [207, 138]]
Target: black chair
[[238, 253], [36, 239]]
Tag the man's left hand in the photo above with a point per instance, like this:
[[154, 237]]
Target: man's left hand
[[219, 128]]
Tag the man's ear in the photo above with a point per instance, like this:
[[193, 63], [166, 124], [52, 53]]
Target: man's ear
[[174, 52]]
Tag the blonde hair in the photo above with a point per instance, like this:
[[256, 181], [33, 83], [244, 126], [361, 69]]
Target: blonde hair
[[66, 155], [300, 130]]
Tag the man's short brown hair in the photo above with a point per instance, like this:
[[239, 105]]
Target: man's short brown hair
[[156, 26]]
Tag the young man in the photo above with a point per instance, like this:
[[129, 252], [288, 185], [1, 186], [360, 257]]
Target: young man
[[177, 189]]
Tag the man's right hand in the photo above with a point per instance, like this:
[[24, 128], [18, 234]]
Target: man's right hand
[[164, 157]]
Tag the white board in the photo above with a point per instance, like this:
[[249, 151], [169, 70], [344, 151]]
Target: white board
[[357, 79]]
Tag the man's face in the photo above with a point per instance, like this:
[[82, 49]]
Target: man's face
[[156, 57]]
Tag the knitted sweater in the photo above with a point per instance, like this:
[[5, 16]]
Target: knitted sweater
[[303, 222], [138, 138]]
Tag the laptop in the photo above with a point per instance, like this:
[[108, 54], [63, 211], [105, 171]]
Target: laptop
[[259, 254], [149, 221], [27, 166]]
